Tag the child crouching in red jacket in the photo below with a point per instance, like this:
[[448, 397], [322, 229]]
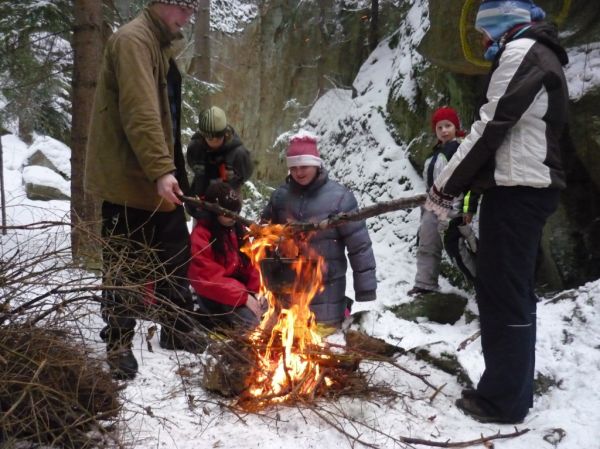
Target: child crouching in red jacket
[[223, 279]]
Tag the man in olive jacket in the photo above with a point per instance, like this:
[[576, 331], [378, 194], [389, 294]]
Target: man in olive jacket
[[136, 167]]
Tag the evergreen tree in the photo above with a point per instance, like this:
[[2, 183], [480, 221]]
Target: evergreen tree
[[35, 62]]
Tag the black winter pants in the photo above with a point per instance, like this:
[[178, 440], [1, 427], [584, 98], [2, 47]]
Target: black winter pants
[[510, 227], [146, 257]]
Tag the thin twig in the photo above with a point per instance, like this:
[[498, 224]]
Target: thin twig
[[468, 341]]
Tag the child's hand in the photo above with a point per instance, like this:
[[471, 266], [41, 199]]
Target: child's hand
[[256, 305]]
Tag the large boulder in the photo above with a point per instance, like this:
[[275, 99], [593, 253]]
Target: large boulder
[[44, 184], [52, 154]]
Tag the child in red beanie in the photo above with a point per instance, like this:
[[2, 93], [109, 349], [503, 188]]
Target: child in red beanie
[[446, 126]]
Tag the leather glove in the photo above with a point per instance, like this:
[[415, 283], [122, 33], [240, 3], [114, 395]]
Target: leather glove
[[439, 203]]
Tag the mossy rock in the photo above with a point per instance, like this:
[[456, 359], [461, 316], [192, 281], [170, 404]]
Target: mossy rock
[[443, 308], [446, 362]]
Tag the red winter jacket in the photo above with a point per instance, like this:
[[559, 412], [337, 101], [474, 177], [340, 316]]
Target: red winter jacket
[[209, 276]]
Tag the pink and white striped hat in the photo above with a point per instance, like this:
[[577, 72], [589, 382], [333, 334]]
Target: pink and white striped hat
[[303, 152]]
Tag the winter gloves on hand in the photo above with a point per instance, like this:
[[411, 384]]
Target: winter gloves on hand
[[439, 203]]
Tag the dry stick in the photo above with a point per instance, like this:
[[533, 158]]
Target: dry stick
[[468, 341], [212, 207], [25, 391], [361, 214], [498, 436], [377, 358], [419, 441], [332, 221]]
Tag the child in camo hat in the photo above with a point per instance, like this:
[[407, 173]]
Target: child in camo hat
[[217, 153]]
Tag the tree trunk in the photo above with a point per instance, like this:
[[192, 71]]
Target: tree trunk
[[374, 25], [2, 199], [87, 57], [200, 67]]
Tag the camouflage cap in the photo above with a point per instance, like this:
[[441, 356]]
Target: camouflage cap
[[212, 120]]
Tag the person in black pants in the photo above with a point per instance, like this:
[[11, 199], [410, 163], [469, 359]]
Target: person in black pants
[[135, 167], [513, 155]]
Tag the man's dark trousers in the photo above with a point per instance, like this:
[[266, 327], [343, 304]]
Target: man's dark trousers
[[145, 247]]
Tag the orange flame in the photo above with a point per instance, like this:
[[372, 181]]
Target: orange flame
[[288, 331]]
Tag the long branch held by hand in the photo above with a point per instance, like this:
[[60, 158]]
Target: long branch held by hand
[[361, 214], [212, 207], [334, 220]]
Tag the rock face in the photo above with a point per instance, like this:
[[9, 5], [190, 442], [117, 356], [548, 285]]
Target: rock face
[[296, 51], [571, 244], [283, 61]]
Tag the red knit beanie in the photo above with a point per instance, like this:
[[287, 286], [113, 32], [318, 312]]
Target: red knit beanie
[[303, 152], [447, 113]]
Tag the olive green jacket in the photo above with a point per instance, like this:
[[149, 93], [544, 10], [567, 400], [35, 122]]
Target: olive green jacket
[[130, 143]]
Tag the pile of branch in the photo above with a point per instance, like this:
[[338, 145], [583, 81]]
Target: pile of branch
[[235, 359], [52, 391]]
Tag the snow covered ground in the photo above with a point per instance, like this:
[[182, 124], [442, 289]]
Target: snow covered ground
[[165, 407]]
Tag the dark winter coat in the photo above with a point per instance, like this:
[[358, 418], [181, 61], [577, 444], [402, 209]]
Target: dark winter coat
[[315, 202], [230, 163], [523, 125], [131, 140], [223, 278]]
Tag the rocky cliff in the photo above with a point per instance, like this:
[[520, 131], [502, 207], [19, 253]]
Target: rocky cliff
[[294, 52], [276, 68], [572, 238]]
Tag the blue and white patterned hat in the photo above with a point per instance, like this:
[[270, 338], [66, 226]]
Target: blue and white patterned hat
[[495, 18], [194, 4]]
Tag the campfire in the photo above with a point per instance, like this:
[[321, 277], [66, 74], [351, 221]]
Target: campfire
[[285, 360], [291, 357]]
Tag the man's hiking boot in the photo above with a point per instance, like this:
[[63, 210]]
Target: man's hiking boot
[[119, 355], [192, 341], [122, 363], [104, 333]]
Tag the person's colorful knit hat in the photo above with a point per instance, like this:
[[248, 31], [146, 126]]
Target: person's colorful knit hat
[[303, 152], [194, 4], [447, 113], [224, 195], [495, 18], [212, 120]]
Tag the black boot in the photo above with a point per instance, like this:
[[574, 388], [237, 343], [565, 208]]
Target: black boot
[[104, 333], [121, 360]]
